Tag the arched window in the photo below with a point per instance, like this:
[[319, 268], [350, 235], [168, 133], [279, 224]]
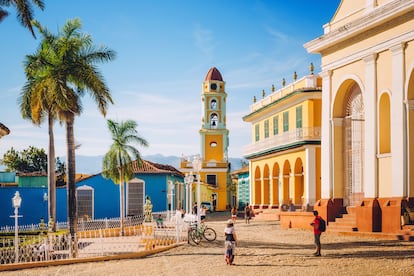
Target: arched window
[[213, 104]]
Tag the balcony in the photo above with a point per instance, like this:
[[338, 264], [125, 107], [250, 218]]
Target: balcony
[[307, 82], [281, 141]]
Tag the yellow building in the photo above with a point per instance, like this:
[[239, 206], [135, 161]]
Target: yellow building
[[284, 156], [214, 174], [367, 54]]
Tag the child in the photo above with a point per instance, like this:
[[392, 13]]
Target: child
[[234, 214], [230, 241]]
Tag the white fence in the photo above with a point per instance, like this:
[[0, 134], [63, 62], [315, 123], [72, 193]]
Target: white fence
[[93, 238]]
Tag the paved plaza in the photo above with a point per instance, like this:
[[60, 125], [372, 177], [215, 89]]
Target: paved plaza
[[264, 249]]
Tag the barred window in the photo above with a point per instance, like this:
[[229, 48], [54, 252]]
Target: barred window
[[85, 199], [135, 197]]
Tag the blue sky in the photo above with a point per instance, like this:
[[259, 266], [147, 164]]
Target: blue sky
[[164, 51]]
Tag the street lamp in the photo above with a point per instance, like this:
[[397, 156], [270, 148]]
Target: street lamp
[[171, 196], [197, 168], [188, 180], [17, 201]]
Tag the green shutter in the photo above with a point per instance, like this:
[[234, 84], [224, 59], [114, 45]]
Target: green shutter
[[266, 129], [286, 121], [276, 125], [299, 117]]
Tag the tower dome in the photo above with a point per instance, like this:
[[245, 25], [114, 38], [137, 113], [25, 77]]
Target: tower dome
[[213, 74]]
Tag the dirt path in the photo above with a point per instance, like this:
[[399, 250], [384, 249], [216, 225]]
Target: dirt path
[[264, 249]]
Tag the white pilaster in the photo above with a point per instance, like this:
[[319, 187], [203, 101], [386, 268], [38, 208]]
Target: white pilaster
[[370, 108], [398, 123], [310, 175], [326, 137]]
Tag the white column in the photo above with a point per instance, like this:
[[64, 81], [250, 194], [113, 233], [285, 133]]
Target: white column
[[370, 185], [398, 123], [326, 138], [280, 185], [310, 175]]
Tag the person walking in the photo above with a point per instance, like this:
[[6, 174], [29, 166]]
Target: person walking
[[230, 242], [233, 214], [247, 213], [317, 233]]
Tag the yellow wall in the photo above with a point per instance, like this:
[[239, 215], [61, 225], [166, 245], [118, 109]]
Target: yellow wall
[[290, 157], [311, 117], [215, 153], [221, 191], [384, 177], [384, 63]]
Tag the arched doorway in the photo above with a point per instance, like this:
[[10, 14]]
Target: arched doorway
[[286, 182], [257, 187], [353, 146], [275, 184], [299, 182], [266, 187]]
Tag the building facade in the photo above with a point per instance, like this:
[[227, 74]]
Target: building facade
[[284, 156], [241, 182], [367, 54], [214, 142]]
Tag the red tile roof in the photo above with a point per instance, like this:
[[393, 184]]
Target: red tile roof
[[149, 167]]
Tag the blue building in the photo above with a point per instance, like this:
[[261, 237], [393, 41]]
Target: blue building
[[98, 197]]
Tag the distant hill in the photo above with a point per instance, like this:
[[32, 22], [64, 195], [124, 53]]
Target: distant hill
[[93, 164]]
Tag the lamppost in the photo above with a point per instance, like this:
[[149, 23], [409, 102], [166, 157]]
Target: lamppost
[[197, 168], [188, 180], [171, 196], [17, 201]]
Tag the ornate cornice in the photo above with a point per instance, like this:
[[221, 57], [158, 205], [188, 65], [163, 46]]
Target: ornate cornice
[[378, 16]]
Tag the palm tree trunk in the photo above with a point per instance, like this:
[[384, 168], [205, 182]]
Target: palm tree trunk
[[121, 203], [71, 185], [51, 170]]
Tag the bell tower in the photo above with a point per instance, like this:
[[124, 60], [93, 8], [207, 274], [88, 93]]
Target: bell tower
[[215, 138]]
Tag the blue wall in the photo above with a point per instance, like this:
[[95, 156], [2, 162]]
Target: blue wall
[[32, 208], [106, 195]]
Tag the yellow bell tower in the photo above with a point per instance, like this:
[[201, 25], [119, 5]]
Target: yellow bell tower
[[215, 139]]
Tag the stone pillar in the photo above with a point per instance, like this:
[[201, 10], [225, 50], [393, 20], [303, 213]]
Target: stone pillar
[[310, 175], [370, 184], [398, 123], [326, 137]]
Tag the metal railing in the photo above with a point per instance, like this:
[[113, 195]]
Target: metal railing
[[93, 238], [283, 139]]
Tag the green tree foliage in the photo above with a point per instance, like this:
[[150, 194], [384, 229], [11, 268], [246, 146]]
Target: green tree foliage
[[66, 68], [117, 163], [28, 160], [24, 11]]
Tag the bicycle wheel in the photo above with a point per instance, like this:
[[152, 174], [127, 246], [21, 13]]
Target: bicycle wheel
[[195, 236], [209, 234]]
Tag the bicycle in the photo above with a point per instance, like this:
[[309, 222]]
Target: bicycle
[[198, 233]]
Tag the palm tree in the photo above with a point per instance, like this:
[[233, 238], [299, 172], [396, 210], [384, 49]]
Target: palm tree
[[117, 163], [36, 102], [24, 11], [68, 71]]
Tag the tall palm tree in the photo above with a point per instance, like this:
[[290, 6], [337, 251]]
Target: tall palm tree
[[117, 163], [24, 11], [35, 104], [68, 71]]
